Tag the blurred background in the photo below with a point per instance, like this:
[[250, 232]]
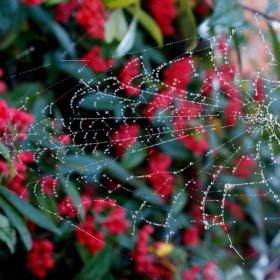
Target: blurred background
[[139, 139]]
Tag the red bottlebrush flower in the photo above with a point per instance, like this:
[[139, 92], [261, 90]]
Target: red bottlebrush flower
[[2, 87], [39, 259], [32, 2], [96, 62], [160, 101], [191, 236], [65, 139], [26, 157], [125, 137], [64, 10], [259, 91], [99, 204], [91, 16], [48, 184], [178, 73], [130, 71], [244, 167], [164, 13]]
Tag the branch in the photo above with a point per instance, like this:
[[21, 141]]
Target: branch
[[259, 13]]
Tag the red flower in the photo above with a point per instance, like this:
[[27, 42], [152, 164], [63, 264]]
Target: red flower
[[190, 134], [125, 137], [65, 139], [161, 100], [39, 259], [48, 184], [209, 271], [259, 91], [235, 210], [191, 236], [129, 72], [244, 166], [164, 13], [161, 180], [96, 62], [85, 234], [64, 10], [26, 157], [191, 274], [91, 15], [202, 8], [116, 223], [32, 2], [4, 113], [178, 73]]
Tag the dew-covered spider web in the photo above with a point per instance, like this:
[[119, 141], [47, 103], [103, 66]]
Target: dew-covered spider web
[[233, 117]]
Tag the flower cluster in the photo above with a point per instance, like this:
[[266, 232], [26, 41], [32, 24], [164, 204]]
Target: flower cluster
[[91, 15], [114, 223], [125, 137], [39, 259], [88, 237], [191, 236], [48, 184], [147, 263], [161, 180], [96, 62], [130, 71], [189, 133], [178, 74], [164, 12]]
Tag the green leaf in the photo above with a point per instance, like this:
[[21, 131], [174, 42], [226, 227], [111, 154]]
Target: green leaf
[[55, 2], [100, 101], [133, 156], [185, 19], [112, 4], [181, 202], [128, 41], [76, 70], [44, 21], [83, 252], [97, 266], [149, 24], [17, 222], [4, 151], [227, 13], [28, 211], [115, 26], [70, 190], [237, 47], [146, 194], [272, 7], [276, 49], [7, 234]]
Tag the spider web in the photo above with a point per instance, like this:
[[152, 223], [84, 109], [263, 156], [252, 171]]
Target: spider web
[[94, 160]]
